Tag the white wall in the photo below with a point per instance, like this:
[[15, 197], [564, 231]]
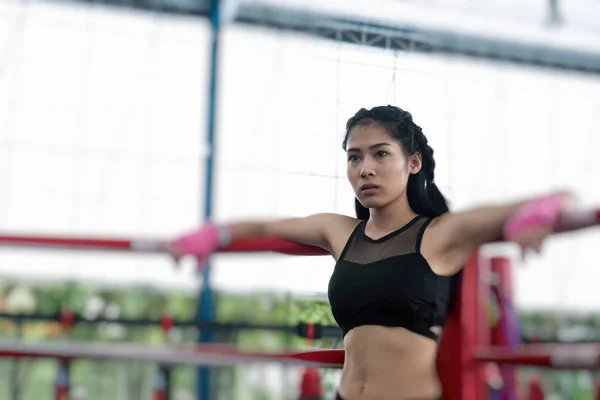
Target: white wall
[[102, 117]]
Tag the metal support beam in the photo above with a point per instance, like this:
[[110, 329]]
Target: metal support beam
[[199, 8], [229, 10], [420, 39], [394, 36], [554, 14], [207, 307]]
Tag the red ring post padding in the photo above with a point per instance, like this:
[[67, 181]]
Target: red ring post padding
[[167, 322], [502, 271], [311, 387], [462, 377], [534, 388], [67, 320]]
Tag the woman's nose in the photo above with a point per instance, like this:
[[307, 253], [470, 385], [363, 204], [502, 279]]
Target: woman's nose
[[367, 169]]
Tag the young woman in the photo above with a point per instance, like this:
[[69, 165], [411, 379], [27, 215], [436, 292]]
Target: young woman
[[398, 260]]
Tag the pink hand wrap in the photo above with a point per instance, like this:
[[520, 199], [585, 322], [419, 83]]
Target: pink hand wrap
[[543, 211], [203, 242]]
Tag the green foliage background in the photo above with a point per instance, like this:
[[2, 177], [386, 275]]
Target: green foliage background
[[99, 380]]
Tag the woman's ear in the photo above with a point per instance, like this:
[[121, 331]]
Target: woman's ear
[[415, 163]]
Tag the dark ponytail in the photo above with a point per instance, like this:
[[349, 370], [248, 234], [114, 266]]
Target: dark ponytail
[[424, 197], [362, 212]]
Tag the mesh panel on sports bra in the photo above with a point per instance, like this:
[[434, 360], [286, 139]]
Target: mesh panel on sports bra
[[361, 249]]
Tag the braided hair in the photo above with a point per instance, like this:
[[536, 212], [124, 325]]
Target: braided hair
[[424, 197]]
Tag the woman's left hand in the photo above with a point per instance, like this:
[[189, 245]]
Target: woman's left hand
[[537, 220]]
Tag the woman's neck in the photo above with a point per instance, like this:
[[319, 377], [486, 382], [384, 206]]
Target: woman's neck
[[392, 216]]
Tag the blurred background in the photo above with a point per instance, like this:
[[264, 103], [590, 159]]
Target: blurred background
[[145, 117]]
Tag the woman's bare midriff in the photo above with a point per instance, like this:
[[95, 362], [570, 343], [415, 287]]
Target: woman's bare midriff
[[389, 364]]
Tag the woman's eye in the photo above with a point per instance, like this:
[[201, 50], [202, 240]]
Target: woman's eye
[[381, 153], [353, 158]]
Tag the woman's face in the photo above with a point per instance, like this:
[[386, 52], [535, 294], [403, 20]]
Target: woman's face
[[377, 166]]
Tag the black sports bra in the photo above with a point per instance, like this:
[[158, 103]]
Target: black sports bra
[[387, 282]]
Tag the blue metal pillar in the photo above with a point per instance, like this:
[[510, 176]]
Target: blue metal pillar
[[206, 308]]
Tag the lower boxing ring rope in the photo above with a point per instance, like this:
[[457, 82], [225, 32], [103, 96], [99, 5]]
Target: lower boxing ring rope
[[560, 356], [205, 355]]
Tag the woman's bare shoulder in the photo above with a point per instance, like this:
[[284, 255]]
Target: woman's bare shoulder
[[339, 220]]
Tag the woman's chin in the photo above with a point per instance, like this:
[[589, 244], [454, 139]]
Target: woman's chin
[[372, 203]]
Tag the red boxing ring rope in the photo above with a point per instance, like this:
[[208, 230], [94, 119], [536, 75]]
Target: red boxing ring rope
[[205, 355], [561, 356], [148, 245], [574, 221]]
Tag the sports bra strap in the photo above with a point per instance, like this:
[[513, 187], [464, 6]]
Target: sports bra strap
[[420, 235], [350, 239]]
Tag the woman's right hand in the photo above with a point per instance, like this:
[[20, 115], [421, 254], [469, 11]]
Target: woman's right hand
[[201, 243], [313, 230]]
